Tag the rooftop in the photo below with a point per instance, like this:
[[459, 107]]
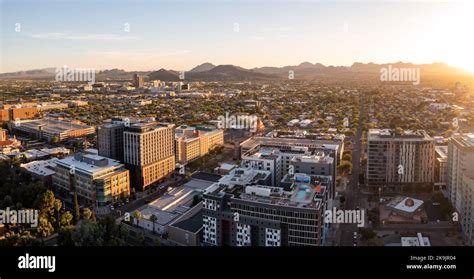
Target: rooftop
[[465, 140], [305, 192], [52, 125], [388, 134], [405, 204], [441, 152], [419, 240], [193, 224], [290, 142], [89, 163], [42, 168]]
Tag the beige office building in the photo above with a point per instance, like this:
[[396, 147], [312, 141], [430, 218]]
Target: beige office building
[[395, 161], [149, 152], [460, 182]]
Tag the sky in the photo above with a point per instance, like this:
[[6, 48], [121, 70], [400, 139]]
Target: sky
[[154, 34]]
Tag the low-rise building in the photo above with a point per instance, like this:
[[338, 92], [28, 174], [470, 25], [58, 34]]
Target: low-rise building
[[49, 129], [97, 180]]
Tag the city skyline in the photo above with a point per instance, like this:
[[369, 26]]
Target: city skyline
[[159, 34]]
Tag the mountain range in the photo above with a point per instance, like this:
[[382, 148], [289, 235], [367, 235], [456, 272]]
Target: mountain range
[[210, 72]]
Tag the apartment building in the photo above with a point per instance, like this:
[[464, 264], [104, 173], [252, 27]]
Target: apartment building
[[149, 152], [441, 163], [241, 210], [460, 181], [194, 142], [110, 139], [97, 180], [187, 149], [265, 158], [398, 160], [284, 160]]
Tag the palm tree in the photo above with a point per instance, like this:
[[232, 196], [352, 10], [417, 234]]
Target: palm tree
[[87, 213], [153, 218], [57, 206], [137, 215]]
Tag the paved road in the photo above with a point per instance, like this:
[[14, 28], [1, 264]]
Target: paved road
[[352, 193], [139, 202]]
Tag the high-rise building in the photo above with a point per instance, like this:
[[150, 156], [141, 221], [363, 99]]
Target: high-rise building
[[243, 210], [149, 152], [138, 81], [110, 138], [398, 160], [460, 181], [98, 181], [441, 153]]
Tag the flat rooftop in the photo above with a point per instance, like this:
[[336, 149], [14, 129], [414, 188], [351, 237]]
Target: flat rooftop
[[193, 224], [415, 241], [301, 196], [389, 134], [42, 168], [163, 217], [52, 125], [83, 165], [270, 141], [465, 140], [175, 198]]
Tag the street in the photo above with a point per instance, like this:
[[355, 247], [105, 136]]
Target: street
[[352, 193]]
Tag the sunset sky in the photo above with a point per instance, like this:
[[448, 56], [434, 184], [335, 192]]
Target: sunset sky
[[182, 34]]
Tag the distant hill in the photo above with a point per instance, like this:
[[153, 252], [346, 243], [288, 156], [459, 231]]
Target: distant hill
[[165, 75], [229, 72], [202, 68], [210, 72], [30, 74]]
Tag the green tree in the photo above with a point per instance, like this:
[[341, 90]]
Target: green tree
[[47, 203], [137, 215], [66, 219], [375, 241], [345, 166], [87, 213], [88, 234], [77, 211], [65, 236], [57, 207], [367, 233], [44, 228], [153, 219]]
